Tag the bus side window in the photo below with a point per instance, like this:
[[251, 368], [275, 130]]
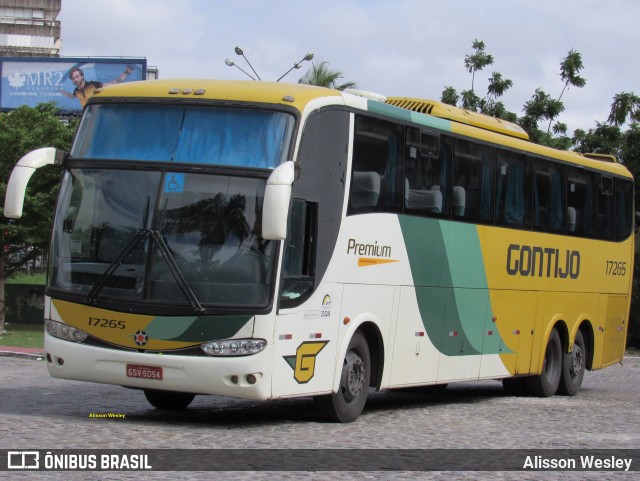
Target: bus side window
[[581, 202], [299, 253], [549, 203], [376, 178], [624, 208], [605, 208], [473, 178], [513, 191], [426, 183]]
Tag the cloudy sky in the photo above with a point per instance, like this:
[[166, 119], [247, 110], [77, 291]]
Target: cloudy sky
[[411, 48]]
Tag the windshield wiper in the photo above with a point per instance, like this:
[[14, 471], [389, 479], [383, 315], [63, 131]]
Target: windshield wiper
[[142, 234], [156, 235], [175, 271]]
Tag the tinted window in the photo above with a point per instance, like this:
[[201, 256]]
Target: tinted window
[[425, 174], [549, 209], [624, 208], [581, 202], [513, 192], [605, 208], [473, 178], [196, 135], [376, 178]]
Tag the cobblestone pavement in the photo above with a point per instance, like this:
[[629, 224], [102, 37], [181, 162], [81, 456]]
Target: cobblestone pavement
[[38, 412]]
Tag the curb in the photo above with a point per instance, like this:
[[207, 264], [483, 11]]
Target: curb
[[35, 356]]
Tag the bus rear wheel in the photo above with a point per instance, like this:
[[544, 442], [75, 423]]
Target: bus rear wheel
[[168, 400], [546, 383], [573, 366], [347, 404]]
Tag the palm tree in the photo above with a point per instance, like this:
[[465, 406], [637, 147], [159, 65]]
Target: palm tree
[[321, 75]]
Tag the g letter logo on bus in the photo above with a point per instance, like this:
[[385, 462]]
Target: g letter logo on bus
[[304, 362]]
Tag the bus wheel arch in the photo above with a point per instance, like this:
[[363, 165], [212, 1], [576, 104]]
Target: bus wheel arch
[[586, 328], [376, 351]]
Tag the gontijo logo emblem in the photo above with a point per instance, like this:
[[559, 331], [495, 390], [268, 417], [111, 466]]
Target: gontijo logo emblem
[[370, 254], [304, 362]]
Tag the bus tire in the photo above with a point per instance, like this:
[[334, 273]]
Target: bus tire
[[546, 383], [573, 366], [168, 400], [347, 404]]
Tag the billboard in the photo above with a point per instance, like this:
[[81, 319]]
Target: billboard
[[68, 82]]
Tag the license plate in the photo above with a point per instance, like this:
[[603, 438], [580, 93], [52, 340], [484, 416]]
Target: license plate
[[144, 372]]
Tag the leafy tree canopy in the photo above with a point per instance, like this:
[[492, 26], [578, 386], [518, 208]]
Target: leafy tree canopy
[[22, 131], [321, 75]]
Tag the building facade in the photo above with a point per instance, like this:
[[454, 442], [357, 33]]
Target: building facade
[[28, 28]]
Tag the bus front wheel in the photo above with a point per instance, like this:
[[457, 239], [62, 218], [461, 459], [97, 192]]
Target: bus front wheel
[[546, 383], [573, 366], [168, 400], [346, 405]]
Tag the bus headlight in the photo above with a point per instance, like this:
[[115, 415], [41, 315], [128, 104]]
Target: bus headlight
[[64, 331], [234, 347]]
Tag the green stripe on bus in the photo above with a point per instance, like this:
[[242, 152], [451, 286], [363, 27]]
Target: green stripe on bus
[[196, 329], [451, 285]]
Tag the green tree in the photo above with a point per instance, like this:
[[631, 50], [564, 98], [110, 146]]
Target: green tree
[[25, 239], [321, 75], [541, 107], [450, 96], [497, 88], [469, 99], [477, 60], [625, 105], [569, 69]]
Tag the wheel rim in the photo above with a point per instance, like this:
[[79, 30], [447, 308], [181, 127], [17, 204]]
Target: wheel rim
[[353, 376], [577, 361]]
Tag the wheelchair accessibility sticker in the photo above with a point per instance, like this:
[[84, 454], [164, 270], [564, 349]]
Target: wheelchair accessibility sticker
[[174, 183]]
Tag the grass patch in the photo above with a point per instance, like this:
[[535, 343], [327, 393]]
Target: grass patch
[[23, 335], [20, 278]]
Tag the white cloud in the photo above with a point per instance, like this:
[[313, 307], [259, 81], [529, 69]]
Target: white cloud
[[406, 47]]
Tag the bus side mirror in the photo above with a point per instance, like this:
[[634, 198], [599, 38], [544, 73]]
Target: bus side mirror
[[22, 172], [275, 207]]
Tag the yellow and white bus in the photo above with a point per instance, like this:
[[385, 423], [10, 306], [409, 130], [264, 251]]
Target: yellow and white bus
[[265, 240]]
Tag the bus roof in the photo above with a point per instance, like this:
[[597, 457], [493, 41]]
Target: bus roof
[[296, 95]]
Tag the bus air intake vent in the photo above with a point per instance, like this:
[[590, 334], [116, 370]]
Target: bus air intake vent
[[455, 114]]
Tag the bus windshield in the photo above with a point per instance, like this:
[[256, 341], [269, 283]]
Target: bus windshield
[[186, 239], [240, 137]]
